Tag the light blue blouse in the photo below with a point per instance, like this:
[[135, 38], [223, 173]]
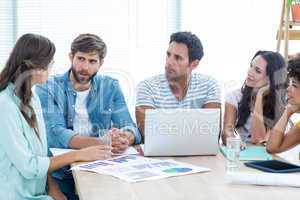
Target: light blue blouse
[[23, 157]]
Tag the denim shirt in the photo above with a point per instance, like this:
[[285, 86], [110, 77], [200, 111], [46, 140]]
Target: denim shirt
[[105, 105]]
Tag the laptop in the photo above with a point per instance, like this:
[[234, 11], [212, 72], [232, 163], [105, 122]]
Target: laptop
[[181, 132]]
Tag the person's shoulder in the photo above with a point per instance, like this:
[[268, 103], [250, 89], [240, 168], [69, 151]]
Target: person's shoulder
[[58, 78], [203, 78], [154, 81], [106, 83], [100, 79], [4, 98], [233, 96], [8, 105], [235, 92], [53, 85], [52, 81], [9, 112]]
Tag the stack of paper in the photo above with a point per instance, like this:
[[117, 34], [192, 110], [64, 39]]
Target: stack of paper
[[251, 153], [134, 168], [260, 178]]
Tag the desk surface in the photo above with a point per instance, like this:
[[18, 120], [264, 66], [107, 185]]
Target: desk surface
[[208, 185]]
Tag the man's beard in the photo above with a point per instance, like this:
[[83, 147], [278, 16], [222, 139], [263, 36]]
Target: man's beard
[[175, 77], [81, 81]]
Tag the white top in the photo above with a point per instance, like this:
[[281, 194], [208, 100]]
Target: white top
[[82, 124], [233, 98], [155, 92]]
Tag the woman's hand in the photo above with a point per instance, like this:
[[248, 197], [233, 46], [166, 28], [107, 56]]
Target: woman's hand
[[263, 91], [226, 133], [99, 152], [291, 109]]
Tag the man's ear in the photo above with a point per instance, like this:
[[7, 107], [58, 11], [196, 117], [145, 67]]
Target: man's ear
[[71, 56], [194, 64]]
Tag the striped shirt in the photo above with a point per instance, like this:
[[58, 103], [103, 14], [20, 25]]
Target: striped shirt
[[155, 92]]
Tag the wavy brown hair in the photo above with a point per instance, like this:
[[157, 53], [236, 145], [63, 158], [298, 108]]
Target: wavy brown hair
[[31, 52], [273, 102]]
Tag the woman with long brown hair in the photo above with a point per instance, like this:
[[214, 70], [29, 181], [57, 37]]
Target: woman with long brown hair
[[251, 111], [25, 167]]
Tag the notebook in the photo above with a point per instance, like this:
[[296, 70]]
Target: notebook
[[250, 153]]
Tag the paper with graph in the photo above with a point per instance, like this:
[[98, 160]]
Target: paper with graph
[[133, 168]]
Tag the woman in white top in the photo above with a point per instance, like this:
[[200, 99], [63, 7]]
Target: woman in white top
[[252, 110], [25, 168]]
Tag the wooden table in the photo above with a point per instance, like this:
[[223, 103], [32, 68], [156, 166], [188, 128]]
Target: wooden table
[[209, 185]]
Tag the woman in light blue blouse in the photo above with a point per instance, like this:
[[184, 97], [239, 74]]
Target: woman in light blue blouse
[[24, 165]]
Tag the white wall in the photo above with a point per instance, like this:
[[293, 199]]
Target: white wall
[[231, 32]]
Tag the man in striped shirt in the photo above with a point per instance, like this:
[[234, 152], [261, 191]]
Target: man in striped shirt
[[178, 87]]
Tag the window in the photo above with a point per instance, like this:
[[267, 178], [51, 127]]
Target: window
[[7, 29], [136, 32]]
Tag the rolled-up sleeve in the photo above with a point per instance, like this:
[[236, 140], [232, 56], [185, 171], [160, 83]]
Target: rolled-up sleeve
[[213, 92], [62, 135], [120, 114], [233, 97], [144, 95], [17, 146]]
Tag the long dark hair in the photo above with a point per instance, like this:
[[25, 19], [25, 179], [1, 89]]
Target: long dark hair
[[273, 101], [31, 52]]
